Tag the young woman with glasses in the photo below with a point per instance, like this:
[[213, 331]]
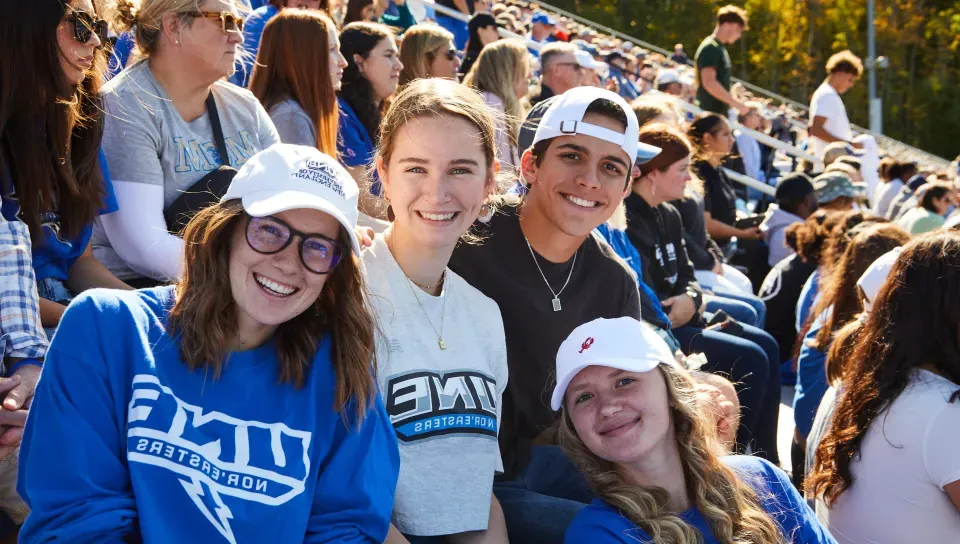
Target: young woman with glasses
[[442, 358], [238, 405], [427, 50], [171, 123]]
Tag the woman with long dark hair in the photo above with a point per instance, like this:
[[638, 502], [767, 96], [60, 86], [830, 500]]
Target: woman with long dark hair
[[369, 80], [238, 404], [712, 141], [484, 30], [297, 46], [630, 422], [52, 177], [887, 469]]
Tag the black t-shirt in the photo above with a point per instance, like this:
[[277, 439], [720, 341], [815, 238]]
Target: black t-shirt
[[780, 291], [502, 268], [657, 234], [702, 250], [719, 197]]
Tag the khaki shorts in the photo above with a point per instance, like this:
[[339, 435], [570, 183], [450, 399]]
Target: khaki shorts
[[10, 501]]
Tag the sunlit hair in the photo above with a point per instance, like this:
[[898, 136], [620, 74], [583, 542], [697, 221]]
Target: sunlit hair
[[293, 59], [730, 506], [355, 89], [419, 47], [913, 324], [708, 123], [733, 14], [655, 109], [50, 129], [204, 316], [497, 70], [839, 292], [145, 19], [846, 62]]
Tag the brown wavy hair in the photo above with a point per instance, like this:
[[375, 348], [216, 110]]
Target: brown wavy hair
[[50, 129], [293, 59], [420, 45], [730, 506], [868, 242], [203, 319], [913, 324]]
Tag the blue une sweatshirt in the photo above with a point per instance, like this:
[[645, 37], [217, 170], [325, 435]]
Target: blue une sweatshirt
[[125, 443]]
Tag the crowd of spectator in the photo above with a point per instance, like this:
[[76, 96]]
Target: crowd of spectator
[[367, 271]]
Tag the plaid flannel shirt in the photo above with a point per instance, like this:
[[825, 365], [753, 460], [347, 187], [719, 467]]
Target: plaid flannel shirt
[[21, 334]]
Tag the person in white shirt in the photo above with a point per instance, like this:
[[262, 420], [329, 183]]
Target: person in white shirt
[[887, 469], [829, 116], [442, 355], [747, 145]]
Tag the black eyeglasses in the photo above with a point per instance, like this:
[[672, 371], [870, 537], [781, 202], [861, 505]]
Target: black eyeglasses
[[229, 22], [85, 26], [269, 235]]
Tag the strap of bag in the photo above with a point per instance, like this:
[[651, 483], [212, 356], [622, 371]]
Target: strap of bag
[[217, 130]]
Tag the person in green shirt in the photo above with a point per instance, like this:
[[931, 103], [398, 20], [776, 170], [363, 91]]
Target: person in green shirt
[[713, 63]]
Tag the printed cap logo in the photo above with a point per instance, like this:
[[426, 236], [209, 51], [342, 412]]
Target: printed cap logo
[[586, 344]]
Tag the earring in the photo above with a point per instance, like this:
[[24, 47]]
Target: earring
[[486, 213]]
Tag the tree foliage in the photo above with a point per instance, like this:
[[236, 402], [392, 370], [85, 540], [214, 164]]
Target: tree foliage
[[789, 42]]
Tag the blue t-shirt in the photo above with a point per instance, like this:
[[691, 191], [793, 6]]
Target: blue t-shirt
[[811, 378], [54, 257], [164, 454], [599, 522], [252, 31], [808, 295], [121, 53], [354, 144]]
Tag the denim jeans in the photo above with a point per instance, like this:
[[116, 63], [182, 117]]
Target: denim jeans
[[741, 311], [543, 499]]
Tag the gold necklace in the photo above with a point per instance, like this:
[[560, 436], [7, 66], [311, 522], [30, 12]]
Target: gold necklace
[[411, 283]]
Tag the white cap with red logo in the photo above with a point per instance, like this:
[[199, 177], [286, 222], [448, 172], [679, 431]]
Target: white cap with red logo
[[622, 343]]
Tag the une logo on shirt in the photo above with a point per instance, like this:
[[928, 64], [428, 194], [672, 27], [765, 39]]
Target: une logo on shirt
[[423, 404], [214, 454]]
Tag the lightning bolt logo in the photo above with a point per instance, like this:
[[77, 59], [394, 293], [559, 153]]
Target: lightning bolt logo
[[220, 516]]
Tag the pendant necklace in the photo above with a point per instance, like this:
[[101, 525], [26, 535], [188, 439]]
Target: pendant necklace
[[556, 295], [413, 291]]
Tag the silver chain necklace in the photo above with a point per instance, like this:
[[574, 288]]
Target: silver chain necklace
[[556, 295]]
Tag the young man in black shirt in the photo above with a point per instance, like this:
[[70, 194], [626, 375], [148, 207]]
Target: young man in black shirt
[[549, 274]]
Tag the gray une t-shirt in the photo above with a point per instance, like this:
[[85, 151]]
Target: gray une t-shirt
[[146, 141]]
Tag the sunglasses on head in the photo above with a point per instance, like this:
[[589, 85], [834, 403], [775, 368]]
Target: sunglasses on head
[[269, 235], [229, 22], [86, 25]]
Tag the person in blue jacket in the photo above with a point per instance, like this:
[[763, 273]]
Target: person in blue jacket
[[238, 405], [629, 421]]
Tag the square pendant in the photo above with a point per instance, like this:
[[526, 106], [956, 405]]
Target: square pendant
[[556, 304], [440, 342]]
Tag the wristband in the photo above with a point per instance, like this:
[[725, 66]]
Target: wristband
[[29, 361]]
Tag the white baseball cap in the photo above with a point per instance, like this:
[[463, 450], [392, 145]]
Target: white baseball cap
[[622, 343], [876, 275], [666, 77], [585, 60], [565, 118], [288, 177]]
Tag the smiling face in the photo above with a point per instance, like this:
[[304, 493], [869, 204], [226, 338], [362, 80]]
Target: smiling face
[[382, 68], [204, 46], [580, 180], [445, 62], [75, 57], [270, 290], [436, 180], [620, 416], [337, 61]]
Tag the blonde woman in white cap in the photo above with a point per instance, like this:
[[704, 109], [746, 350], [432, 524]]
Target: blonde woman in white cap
[[239, 404], [630, 422], [442, 356]]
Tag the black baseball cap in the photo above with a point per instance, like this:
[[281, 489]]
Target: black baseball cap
[[482, 20], [794, 187]]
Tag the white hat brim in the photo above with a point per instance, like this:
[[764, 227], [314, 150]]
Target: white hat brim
[[629, 364], [264, 203]]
